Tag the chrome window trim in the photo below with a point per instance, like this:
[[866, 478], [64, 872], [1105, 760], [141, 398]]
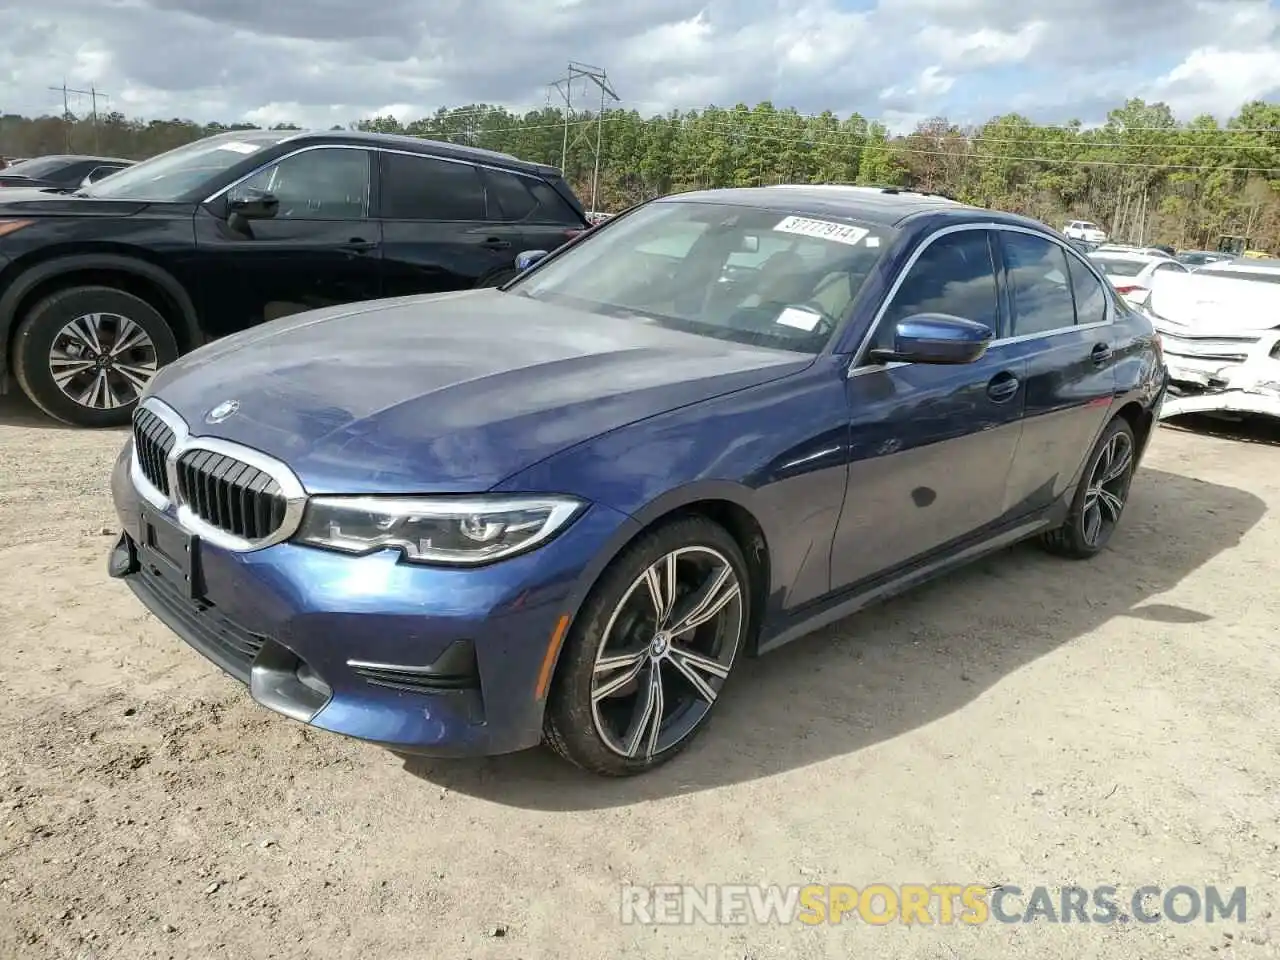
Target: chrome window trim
[[184, 442], [855, 365], [368, 148]]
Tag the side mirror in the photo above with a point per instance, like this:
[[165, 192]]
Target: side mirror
[[936, 338], [528, 258], [262, 206]]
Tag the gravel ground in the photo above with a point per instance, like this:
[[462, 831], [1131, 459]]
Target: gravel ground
[[1029, 721]]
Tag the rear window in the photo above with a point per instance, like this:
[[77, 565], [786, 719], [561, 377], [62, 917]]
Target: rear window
[[40, 167], [513, 197], [1121, 268]]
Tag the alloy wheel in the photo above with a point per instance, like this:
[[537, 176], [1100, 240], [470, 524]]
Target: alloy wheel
[[1104, 498], [666, 652], [102, 361]]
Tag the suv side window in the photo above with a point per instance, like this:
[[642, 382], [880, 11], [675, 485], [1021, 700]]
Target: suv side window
[[953, 275], [324, 184], [1038, 286], [1090, 295], [426, 188]]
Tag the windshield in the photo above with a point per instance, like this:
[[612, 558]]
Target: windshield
[[736, 273], [39, 167], [1121, 268], [170, 176]]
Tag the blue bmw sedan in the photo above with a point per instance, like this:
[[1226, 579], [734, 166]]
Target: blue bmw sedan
[[563, 510]]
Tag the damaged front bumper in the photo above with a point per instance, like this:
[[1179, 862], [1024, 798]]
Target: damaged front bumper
[[1226, 373]]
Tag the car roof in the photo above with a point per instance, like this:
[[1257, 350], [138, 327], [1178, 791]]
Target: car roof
[[1244, 265], [885, 206], [408, 144]]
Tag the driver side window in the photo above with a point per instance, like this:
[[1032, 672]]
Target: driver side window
[[329, 184], [953, 275]]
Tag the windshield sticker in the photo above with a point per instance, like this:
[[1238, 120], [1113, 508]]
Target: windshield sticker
[[238, 146], [799, 318], [873, 241], [823, 230]]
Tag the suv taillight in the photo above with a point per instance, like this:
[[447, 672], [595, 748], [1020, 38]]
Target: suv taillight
[[1132, 288]]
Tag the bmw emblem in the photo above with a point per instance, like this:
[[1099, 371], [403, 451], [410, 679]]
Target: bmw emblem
[[222, 411]]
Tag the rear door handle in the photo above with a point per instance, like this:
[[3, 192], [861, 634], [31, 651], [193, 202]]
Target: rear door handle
[[496, 243], [1101, 353], [1003, 386], [360, 245]]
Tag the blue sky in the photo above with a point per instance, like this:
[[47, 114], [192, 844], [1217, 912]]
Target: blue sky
[[331, 61]]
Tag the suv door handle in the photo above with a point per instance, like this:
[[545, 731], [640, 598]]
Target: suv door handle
[[495, 243], [1101, 353], [360, 245], [1003, 386]]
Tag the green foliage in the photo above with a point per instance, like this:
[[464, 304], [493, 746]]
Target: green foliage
[[1142, 175]]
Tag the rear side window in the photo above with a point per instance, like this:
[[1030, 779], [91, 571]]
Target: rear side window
[[1091, 297], [513, 197], [1039, 288], [425, 188], [1121, 268]]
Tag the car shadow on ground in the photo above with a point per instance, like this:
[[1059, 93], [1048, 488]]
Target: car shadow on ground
[[1263, 430], [906, 663], [17, 411]]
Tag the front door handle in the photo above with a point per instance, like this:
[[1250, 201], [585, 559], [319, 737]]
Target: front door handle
[[359, 245], [1003, 387], [496, 243], [1101, 353]]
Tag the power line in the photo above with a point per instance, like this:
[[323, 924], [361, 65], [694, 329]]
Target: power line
[[592, 75], [93, 93]]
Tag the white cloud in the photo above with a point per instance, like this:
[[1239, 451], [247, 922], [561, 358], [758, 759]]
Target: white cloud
[[322, 62], [1212, 80]]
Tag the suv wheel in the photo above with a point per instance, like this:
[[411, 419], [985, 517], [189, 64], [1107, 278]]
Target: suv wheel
[[84, 355]]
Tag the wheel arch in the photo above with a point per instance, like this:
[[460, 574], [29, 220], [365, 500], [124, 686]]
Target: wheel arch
[[132, 275], [1140, 420], [723, 502]]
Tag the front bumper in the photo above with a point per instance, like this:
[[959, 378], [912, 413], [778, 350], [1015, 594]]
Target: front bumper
[[1233, 374], [441, 662]]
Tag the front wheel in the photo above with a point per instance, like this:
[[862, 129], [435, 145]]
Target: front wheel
[[84, 355], [1101, 497], [651, 650]]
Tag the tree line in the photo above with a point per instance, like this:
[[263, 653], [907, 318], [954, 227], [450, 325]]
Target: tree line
[[1143, 175]]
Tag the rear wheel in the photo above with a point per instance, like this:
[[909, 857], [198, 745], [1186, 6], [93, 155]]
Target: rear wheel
[[651, 650], [1101, 497], [84, 355]]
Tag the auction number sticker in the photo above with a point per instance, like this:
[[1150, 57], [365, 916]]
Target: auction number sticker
[[823, 230]]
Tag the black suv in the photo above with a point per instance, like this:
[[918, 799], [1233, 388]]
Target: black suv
[[100, 288]]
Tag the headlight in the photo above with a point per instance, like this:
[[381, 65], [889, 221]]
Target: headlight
[[444, 530]]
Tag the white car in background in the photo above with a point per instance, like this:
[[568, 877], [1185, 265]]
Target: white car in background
[[1219, 327], [1131, 271], [1084, 230]]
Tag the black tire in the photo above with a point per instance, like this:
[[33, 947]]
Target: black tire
[[43, 325], [1076, 539], [570, 724], [497, 277]]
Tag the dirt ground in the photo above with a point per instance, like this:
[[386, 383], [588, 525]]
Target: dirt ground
[[1030, 721]]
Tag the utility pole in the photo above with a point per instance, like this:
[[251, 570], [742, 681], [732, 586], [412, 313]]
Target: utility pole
[[93, 93], [592, 75]]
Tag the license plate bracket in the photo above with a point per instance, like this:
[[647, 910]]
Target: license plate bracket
[[171, 553]]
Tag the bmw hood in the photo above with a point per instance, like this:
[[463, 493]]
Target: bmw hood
[[447, 392]]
